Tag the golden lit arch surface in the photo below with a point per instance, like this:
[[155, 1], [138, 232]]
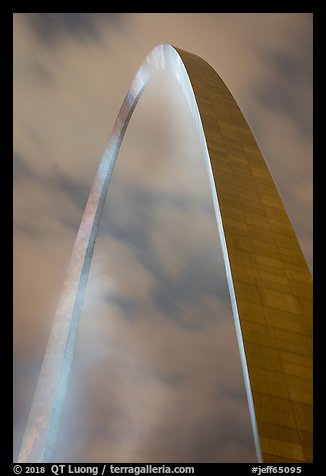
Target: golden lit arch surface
[[269, 282]]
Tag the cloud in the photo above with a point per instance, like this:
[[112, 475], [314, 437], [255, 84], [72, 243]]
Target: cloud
[[38, 204], [21, 169], [156, 374], [134, 407], [287, 89], [51, 27]]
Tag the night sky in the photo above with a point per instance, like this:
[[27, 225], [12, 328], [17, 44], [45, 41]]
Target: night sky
[[157, 374]]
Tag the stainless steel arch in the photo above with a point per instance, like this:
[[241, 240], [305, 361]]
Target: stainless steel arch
[[269, 281]]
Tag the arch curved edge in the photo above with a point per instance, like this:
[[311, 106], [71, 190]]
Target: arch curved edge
[[269, 281]]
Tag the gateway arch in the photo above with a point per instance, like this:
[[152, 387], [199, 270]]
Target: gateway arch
[[269, 281]]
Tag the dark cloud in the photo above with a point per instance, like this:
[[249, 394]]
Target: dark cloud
[[285, 88], [198, 280], [127, 214], [32, 231], [129, 307], [232, 392], [131, 213], [59, 183], [52, 27], [22, 170], [41, 73], [212, 437], [75, 190], [201, 273]]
